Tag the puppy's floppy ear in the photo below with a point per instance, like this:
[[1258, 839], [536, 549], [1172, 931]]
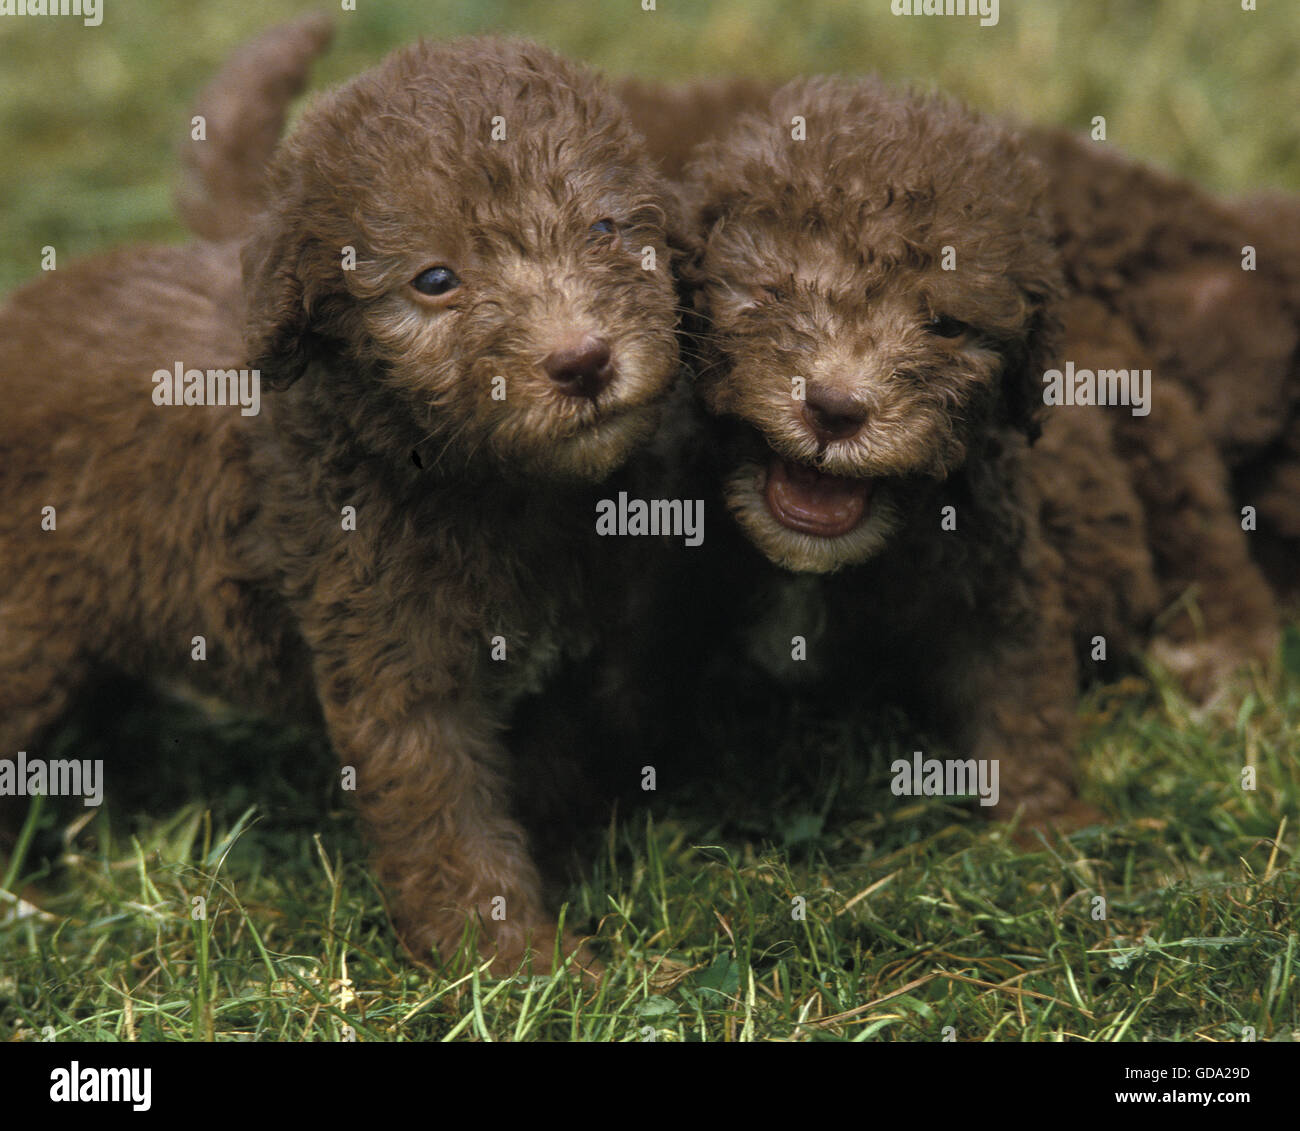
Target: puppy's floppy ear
[[678, 227], [277, 329], [1037, 267], [688, 237], [1022, 382], [1042, 283]]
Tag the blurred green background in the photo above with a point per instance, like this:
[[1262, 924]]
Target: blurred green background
[[90, 117]]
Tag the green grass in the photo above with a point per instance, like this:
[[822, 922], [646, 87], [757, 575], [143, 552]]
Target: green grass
[[916, 919]]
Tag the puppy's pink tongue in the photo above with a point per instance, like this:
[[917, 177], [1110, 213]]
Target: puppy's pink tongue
[[812, 502]]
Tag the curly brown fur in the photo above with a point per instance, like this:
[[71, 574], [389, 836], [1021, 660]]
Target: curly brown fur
[[1200, 596], [473, 516], [223, 174], [822, 260], [674, 118], [1091, 511], [1156, 265], [1167, 257], [1270, 481]]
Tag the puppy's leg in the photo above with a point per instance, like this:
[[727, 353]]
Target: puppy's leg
[[1271, 485], [1015, 687], [1201, 552], [42, 653], [40, 670], [432, 794], [1092, 516]]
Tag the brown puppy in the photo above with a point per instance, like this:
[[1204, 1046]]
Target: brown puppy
[[1169, 258], [878, 407], [1211, 290], [1270, 481], [676, 118], [1154, 270], [880, 326], [449, 300]]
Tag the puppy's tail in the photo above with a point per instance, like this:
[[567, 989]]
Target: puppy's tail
[[223, 174]]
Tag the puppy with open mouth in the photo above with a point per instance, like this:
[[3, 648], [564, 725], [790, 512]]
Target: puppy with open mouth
[[880, 284], [1146, 259], [883, 292]]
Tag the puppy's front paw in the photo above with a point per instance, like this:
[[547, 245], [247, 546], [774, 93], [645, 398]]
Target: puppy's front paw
[[533, 951], [1204, 668]]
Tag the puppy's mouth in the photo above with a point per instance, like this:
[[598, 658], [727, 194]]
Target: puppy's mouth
[[809, 501], [801, 517]]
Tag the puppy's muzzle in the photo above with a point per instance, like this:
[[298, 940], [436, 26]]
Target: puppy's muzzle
[[831, 414], [581, 368]]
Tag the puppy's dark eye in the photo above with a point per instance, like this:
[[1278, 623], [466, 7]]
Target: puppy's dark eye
[[435, 281], [944, 327], [602, 229]]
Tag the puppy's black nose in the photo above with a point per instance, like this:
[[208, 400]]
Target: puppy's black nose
[[832, 414], [582, 368]]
